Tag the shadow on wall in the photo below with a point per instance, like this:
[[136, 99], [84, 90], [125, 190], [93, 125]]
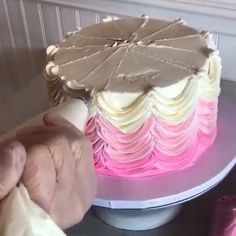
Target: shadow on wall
[[19, 67], [31, 100]]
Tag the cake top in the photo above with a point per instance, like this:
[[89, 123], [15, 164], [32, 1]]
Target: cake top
[[126, 55]]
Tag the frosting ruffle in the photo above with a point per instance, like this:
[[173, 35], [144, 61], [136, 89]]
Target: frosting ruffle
[[157, 147]]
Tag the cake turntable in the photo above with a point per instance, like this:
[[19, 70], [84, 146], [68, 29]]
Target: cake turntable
[[147, 203]]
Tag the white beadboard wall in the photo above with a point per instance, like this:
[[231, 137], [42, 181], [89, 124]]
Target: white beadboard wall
[[28, 26]]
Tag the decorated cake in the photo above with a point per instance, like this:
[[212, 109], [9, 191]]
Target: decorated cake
[[154, 87]]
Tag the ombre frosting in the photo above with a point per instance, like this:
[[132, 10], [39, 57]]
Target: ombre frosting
[[154, 87], [157, 147]]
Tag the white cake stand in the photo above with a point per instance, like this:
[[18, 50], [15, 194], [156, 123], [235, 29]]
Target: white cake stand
[[147, 203]]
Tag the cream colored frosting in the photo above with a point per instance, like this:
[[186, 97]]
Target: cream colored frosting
[[172, 104], [136, 67]]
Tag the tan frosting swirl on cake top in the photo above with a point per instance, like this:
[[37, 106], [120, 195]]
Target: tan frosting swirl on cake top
[[126, 55]]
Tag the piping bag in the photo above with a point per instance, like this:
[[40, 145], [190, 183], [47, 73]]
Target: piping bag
[[18, 214]]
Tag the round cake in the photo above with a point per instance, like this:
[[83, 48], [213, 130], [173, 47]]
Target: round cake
[[154, 87]]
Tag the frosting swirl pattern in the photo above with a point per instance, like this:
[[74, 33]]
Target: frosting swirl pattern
[[154, 87], [157, 134]]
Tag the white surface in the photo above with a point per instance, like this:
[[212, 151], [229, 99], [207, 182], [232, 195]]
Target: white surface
[[137, 219], [209, 170]]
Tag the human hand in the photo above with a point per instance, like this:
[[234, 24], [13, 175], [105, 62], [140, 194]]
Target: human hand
[[59, 173], [12, 162]]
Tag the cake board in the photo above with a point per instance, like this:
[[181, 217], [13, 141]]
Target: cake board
[[147, 203]]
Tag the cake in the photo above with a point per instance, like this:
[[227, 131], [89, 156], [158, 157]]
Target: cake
[[154, 87]]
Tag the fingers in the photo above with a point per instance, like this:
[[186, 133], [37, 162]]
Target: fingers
[[82, 192], [50, 164], [56, 120], [59, 173], [60, 149], [69, 132], [39, 176], [52, 120], [86, 175], [12, 162], [73, 134]]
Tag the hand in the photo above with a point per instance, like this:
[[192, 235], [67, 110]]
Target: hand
[[59, 173], [12, 162]]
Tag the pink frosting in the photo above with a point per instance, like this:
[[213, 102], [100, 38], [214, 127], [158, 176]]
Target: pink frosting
[[156, 148]]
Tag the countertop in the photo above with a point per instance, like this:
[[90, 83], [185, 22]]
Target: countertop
[[195, 218]]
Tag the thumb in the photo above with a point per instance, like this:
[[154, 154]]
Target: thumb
[[12, 162], [51, 119]]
